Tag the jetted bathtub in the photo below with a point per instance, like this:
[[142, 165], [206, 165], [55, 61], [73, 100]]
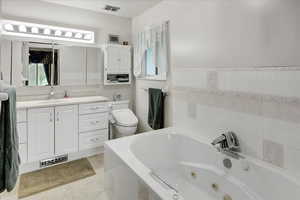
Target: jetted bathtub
[[165, 165]]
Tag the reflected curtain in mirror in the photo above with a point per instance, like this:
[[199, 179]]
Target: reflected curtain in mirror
[[39, 67]]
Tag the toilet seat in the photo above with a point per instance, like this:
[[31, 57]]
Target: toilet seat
[[124, 117]]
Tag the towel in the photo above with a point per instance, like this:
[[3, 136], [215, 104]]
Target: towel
[[156, 109], [9, 143]]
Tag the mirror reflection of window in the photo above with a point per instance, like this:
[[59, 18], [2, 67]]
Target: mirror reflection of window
[[39, 68], [151, 69]]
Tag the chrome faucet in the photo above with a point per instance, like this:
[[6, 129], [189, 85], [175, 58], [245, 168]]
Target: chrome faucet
[[117, 97], [228, 144]]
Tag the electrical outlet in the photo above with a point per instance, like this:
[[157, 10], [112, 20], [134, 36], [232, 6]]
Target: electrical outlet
[[273, 153], [192, 110]]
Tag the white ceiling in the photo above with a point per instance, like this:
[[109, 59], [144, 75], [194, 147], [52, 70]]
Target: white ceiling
[[129, 8]]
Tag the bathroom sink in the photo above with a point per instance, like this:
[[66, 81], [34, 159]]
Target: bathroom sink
[[61, 101]]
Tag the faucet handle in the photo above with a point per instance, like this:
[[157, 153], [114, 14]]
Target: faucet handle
[[117, 97], [227, 141], [232, 141]]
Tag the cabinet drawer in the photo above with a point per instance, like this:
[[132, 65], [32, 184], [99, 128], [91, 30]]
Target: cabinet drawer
[[92, 139], [93, 122], [22, 132], [21, 116], [23, 153], [93, 108]]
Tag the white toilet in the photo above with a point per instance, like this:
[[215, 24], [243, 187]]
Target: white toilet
[[124, 121]]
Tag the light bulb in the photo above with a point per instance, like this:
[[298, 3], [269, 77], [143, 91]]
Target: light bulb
[[47, 31], [88, 36], [57, 33], [22, 28], [34, 30], [68, 34], [78, 35], [9, 27]]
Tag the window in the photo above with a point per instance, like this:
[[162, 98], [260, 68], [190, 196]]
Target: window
[[151, 69]]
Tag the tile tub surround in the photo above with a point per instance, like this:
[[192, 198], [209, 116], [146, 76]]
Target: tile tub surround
[[260, 104], [90, 188]]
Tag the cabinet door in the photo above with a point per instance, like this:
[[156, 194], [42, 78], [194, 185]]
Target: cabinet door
[[72, 66], [17, 63], [94, 64], [5, 60], [40, 133], [125, 59], [113, 59], [66, 129]]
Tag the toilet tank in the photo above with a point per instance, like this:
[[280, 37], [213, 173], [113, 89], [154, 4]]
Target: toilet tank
[[116, 105]]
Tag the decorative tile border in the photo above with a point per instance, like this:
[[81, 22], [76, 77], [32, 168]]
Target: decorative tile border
[[239, 68], [276, 107]]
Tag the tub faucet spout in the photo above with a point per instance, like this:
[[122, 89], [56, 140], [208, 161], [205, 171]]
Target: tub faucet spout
[[218, 140], [228, 144]]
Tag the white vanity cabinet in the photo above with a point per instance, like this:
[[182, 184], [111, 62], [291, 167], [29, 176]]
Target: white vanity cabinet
[[40, 133], [22, 132], [76, 128], [66, 129], [52, 131], [93, 125]]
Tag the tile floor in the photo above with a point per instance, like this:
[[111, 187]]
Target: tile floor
[[91, 188]]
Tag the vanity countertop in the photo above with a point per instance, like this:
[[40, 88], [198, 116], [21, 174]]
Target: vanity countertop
[[60, 102]]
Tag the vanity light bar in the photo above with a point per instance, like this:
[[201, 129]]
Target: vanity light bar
[[24, 29]]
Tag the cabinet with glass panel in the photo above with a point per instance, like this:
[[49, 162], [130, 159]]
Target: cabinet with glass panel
[[32, 64]]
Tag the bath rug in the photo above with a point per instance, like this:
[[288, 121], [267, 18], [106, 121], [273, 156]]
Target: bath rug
[[48, 178]]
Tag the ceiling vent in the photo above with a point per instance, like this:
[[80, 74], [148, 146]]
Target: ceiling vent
[[111, 8]]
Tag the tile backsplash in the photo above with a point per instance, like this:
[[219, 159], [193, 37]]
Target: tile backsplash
[[261, 105]]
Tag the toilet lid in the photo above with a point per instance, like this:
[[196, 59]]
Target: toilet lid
[[125, 117]]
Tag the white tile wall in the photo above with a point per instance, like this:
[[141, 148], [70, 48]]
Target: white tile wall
[[189, 78], [254, 98], [272, 82], [247, 111]]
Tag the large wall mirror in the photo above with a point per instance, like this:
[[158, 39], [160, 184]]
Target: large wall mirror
[[32, 64]]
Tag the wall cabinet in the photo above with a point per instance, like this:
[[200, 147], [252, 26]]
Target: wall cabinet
[[17, 63], [117, 58], [66, 129], [76, 65], [117, 64], [5, 59], [94, 66], [11, 69], [40, 133], [72, 65]]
